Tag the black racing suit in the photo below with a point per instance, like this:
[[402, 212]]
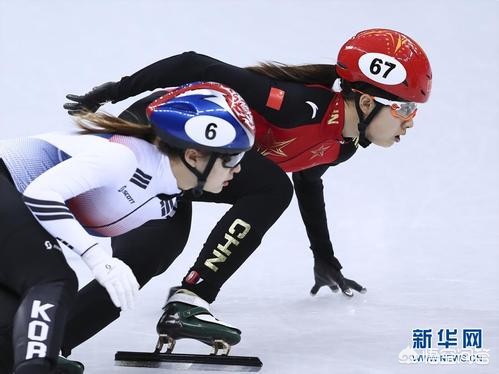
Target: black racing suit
[[37, 287], [258, 194], [191, 67]]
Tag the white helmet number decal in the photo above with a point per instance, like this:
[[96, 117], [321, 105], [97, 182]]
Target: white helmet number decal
[[382, 68], [210, 131]]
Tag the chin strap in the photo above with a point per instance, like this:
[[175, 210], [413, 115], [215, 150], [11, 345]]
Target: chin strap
[[202, 176], [364, 122]]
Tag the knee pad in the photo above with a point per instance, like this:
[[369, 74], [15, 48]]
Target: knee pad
[[39, 321]]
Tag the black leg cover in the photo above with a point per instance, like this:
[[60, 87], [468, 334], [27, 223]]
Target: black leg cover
[[39, 326]]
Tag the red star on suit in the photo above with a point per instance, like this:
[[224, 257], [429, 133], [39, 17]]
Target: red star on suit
[[319, 152], [269, 146]]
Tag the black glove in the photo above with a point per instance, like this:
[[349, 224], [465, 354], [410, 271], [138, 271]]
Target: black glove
[[89, 102], [326, 274]]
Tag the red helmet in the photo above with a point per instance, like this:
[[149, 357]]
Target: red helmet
[[388, 60]]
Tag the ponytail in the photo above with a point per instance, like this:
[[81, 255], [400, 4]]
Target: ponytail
[[322, 74], [103, 123]]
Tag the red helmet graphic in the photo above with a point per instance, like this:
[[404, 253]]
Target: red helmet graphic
[[388, 60]]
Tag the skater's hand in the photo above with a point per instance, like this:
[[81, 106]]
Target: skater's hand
[[89, 102], [326, 274], [114, 275]]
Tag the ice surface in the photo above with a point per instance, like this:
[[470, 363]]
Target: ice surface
[[417, 224]]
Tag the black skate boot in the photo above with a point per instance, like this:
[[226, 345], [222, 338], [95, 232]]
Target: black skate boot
[[65, 366], [187, 316]]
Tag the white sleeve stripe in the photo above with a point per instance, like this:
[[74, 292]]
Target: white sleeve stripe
[[32, 201], [47, 210], [42, 210], [54, 217]]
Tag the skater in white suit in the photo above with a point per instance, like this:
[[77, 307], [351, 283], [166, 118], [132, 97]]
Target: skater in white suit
[[108, 178]]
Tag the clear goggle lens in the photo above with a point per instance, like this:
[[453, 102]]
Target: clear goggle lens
[[231, 160]]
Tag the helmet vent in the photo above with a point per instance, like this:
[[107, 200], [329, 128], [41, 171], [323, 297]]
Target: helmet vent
[[183, 106]]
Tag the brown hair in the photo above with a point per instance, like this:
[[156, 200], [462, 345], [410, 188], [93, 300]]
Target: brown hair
[[322, 74], [103, 123]]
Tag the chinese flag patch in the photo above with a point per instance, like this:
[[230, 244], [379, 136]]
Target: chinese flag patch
[[276, 96]]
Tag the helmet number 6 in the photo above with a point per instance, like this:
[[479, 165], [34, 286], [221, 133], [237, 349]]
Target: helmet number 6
[[210, 132], [376, 66]]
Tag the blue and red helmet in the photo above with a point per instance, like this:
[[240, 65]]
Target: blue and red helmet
[[203, 115]]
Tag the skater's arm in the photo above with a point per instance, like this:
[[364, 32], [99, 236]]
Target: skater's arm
[[173, 71], [310, 194], [327, 269], [46, 196], [169, 72], [136, 112]]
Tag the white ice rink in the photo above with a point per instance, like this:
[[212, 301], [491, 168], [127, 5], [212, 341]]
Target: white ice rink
[[417, 224]]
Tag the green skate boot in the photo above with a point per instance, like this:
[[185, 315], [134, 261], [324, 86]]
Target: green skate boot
[[65, 366], [187, 316]]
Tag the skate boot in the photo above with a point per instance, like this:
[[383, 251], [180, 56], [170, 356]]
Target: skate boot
[[171, 291], [65, 366], [186, 315]]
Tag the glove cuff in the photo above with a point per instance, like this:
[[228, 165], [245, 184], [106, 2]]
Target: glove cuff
[[94, 256], [103, 93], [332, 260]]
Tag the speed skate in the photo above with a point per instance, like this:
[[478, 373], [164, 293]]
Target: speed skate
[[187, 316]]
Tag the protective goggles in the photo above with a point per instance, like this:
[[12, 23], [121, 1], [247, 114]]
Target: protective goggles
[[230, 161], [399, 109]]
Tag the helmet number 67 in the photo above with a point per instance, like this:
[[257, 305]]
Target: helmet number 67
[[377, 65]]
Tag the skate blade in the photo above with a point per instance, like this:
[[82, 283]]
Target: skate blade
[[165, 340], [182, 361]]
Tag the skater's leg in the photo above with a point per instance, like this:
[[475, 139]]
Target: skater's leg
[[32, 268], [149, 250], [42, 313], [9, 303], [259, 193], [46, 287]]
